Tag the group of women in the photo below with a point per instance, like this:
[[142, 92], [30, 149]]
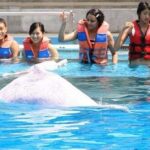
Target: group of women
[[94, 39], [36, 47]]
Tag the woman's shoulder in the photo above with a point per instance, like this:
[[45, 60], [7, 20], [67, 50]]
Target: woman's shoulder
[[109, 35], [106, 25], [46, 39]]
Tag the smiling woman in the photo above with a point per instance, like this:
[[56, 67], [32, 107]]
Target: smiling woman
[[94, 38], [37, 47], [9, 48]]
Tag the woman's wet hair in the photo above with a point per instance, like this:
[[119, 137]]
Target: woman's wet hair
[[3, 21], [36, 25], [142, 6], [98, 14]]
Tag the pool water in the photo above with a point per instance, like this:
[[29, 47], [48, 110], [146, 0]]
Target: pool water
[[30, 126]]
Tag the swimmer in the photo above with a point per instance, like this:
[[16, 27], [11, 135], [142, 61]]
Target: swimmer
[[37, 47], [138, 32], [9, 48], [94, 38]]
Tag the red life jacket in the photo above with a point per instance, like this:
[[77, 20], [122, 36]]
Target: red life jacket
[[43, 49], [97, 52], [5, 48], [139, 44]]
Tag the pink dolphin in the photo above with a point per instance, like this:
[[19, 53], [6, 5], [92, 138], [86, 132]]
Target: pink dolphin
[[46, 88]]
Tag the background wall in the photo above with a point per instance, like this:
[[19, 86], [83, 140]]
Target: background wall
[[116, 13]]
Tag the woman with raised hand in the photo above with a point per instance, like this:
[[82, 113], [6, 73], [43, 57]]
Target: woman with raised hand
[[138, 32], [94, 38]]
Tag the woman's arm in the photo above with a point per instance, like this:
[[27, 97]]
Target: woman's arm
[[125, 32], [62, 35], [15, 51], [54, 52], [111, 47]]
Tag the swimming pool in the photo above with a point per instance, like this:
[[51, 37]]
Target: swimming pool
[[28, 126]]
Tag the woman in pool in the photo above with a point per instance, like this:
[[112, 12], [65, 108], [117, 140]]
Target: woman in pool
[[37, 47], [94, 38], [138, 32], [9, 48]]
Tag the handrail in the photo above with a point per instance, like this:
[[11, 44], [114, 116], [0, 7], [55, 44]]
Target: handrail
[[69, 4], [37, 13], [18, 13]]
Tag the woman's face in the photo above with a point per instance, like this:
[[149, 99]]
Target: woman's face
[[3, 30], [92, 22], [145, 16], [36, 35]]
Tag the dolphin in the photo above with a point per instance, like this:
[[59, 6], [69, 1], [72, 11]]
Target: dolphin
[[44, 87], [48, 88]]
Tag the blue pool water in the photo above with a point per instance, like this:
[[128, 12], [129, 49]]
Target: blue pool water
[[30, 126]]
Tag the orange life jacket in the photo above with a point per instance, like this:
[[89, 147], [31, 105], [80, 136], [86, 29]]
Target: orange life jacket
[[97, 52], [5, 48], [43, 49], [139, 44]]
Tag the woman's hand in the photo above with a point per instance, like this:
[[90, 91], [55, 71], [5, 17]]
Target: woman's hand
[[128, 25], [63, 17]]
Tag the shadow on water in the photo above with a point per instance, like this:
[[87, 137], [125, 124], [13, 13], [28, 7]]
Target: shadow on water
[[114, 90], [121, 83]]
